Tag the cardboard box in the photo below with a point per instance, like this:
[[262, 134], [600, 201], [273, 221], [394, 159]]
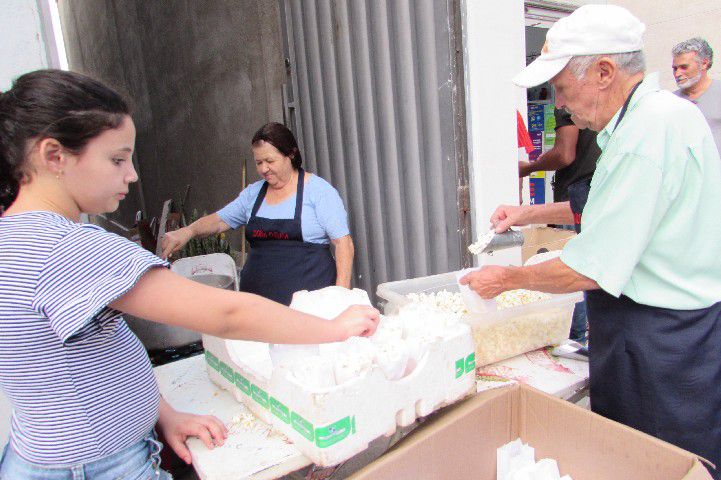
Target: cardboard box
[[461, 442], [539, 239]]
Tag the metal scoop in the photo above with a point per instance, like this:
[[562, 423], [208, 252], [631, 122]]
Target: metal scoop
[[507, 239], [571, 349]]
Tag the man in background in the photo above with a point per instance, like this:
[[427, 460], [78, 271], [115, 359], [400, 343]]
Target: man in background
[[573, 157], [692, 60]]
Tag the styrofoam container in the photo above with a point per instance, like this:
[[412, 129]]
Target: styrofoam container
[[497, 334], [329, 425]]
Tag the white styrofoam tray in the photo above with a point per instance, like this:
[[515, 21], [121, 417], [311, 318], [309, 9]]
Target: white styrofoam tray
[[331, 425]]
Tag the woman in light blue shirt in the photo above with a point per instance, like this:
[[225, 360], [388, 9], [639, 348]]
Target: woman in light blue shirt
[[291, 217]]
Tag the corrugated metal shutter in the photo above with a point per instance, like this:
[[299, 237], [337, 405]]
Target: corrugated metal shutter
[[375, 97]]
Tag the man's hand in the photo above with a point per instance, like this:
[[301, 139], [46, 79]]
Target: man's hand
[[178, 426], [488, 281], [507, 216], [524, 168]]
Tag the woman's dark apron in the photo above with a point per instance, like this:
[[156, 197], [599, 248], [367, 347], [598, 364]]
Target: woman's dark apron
[[656, 369], [280, 262]]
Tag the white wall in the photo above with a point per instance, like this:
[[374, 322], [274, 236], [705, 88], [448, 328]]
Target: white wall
[[494, 51], [26, 30], [22, 49], [669, 22]]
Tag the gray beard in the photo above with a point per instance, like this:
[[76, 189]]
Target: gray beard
[[689, 82]]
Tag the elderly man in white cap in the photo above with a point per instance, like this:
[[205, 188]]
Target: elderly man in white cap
[[648, 252]]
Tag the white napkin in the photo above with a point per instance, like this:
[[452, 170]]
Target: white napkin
[[512, 457], [516, 461]]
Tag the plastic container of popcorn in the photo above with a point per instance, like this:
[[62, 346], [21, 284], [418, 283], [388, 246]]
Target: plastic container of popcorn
[[504, 333], [393, 295], [498, 333]]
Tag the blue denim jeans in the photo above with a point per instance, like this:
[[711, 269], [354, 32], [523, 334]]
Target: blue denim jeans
[[140, 461]]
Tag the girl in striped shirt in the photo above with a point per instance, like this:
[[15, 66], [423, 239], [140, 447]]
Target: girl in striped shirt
[[84, 398]]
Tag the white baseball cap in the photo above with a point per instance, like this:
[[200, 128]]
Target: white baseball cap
[[589, 30]]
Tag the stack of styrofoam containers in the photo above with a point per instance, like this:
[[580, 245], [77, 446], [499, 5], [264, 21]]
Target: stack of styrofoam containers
[[330, 425], [498, 334]]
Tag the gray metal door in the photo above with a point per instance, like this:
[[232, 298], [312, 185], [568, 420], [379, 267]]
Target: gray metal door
[[375, 97]]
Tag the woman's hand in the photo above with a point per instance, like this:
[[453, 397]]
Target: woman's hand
[[175, 240], [357, 320], [178, 426]]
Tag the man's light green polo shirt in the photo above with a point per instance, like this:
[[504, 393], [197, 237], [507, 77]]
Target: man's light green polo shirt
[[651, 229]]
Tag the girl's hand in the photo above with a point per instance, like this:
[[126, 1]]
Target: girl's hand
[[358, 320], [178, 426]]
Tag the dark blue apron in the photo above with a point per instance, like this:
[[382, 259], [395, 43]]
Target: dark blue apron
[[657, 369], [280, 262]]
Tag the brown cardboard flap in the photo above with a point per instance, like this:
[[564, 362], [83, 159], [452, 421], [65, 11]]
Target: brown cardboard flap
[[581, 441], [538, 239], [458, 444], [698, 472], [461, 442]]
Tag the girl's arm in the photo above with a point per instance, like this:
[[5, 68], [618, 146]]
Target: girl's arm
[[165, 297]]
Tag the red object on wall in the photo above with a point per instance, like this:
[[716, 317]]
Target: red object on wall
[[524, 138]]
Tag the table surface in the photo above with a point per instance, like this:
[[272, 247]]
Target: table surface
[[254, 452]]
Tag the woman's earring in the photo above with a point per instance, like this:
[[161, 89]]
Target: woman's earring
[[59, 174]]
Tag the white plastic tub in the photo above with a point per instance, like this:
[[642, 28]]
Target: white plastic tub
[[497, 334]]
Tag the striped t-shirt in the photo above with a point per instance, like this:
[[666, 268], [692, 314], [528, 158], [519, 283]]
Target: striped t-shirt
[[79, 380]]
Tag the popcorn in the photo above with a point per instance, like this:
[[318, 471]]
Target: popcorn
[[500, 339], [248, 422], [507, 338], [514, 298], [478, 247], [422, 320], [390, 329], [443, 300]]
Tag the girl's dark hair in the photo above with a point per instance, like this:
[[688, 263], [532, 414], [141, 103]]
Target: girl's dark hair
[[69, 107], [281, 138]]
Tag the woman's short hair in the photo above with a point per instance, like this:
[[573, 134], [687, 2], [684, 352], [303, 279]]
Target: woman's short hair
[[281, 138]]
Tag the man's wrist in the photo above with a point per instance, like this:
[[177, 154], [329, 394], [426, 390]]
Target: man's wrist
[[526, 214], [512, 278]]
